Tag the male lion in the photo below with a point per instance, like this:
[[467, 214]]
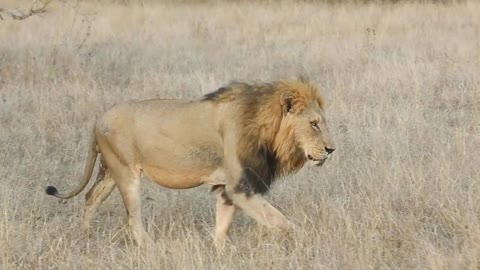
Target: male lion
[[237, 139]]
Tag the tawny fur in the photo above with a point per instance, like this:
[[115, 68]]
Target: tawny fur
[[238, 139]]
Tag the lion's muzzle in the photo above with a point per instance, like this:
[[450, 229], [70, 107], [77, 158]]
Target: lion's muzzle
[[318, 161]]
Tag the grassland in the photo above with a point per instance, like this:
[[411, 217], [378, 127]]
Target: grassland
[[402, 84]]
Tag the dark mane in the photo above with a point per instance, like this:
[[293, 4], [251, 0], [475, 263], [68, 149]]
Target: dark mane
[[230, 92], [217, 94], [259, 173]]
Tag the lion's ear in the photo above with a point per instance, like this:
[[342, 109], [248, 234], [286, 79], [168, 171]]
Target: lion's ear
[[288, 101]]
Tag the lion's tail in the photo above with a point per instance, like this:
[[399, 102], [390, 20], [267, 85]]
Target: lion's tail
[[92, 157]]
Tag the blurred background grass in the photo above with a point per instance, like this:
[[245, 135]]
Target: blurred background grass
[[403, 96]]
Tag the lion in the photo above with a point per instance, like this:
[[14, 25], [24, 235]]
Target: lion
[[238, 139]]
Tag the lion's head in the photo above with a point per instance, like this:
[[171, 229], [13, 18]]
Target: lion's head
[[304, 123], [303, 131], [283, 127]]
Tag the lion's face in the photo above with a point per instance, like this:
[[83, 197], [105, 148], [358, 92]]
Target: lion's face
[[311, 134]]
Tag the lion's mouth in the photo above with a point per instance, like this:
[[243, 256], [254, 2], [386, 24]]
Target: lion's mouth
[[316, 161]]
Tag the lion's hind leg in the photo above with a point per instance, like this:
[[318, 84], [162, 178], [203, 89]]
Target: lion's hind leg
[[102, 188], [127, 180]]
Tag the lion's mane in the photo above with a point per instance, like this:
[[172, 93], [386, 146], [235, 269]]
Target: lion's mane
[[266, 148]]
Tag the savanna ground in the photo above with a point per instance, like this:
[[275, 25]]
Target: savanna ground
[[401, 191]]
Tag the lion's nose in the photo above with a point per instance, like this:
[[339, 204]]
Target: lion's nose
[[329, 150]]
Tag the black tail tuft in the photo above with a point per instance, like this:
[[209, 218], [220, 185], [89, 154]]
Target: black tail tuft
[[51, 190]]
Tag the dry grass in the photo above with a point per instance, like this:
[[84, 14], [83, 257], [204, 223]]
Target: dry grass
[[402, 190]]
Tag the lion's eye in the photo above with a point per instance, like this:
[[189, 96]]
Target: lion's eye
[[314, 125]]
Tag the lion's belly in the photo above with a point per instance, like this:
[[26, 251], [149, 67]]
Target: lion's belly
[[178, 178]]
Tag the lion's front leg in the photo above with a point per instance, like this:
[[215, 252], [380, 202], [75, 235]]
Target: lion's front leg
[[224, 216], [259, 209], [253, 204]]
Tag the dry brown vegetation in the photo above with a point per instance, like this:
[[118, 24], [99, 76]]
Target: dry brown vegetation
[[403, 92]]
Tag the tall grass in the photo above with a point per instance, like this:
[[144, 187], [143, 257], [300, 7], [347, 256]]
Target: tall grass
[[403, 92]]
